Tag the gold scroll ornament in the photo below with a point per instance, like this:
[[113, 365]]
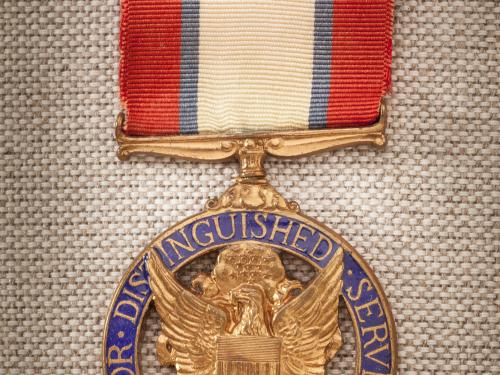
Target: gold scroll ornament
[[254, 146]]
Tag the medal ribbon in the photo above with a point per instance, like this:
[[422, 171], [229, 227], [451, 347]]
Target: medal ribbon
[[234, 66]]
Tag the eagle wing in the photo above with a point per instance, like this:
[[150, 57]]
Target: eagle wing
[[308, 325], [190, 325]]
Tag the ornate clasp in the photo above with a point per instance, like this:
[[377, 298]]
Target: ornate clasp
[[220, 147], [251, 155], [251, 190]]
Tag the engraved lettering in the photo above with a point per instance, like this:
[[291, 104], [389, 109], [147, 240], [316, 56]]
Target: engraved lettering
[[115, 355], [177, 246], [259, 220], [363, 282], [208, 235], [219, 231], [133, 295], [121, 370], [299, 237], [277, 229], [376, 351], [379, 333], [321, 240], [244, 225], [137, 277], [126, 313], [367, 307], [165, 254]]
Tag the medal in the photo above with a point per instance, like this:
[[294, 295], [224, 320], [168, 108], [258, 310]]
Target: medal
[[222, 80]]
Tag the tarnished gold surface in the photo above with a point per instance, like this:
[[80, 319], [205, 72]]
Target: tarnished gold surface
[[220, 147], [246, 317]]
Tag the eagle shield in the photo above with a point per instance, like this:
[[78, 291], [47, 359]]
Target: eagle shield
[[247, 317]]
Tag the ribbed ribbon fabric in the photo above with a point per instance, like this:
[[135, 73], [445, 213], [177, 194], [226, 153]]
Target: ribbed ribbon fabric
[[234, 66]]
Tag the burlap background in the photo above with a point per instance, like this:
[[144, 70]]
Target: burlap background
[[424, 212]]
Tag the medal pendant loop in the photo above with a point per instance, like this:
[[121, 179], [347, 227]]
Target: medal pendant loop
[[251, 155]]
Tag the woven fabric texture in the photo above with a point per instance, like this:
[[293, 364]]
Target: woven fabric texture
[[424, 212]]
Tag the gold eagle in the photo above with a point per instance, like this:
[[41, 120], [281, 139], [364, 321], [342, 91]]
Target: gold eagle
[[247, 317]]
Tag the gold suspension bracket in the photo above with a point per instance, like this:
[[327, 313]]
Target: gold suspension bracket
[[251, 149], [251, 189]]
